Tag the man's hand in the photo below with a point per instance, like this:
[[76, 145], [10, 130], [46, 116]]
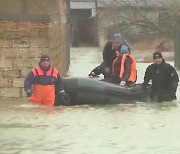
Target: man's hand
[[122, 83], [65, 97], [91, 75], [28, 92]]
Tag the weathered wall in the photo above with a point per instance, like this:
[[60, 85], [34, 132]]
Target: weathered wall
[[28, 29], [30, 6]]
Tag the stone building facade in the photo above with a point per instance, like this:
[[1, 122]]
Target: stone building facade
[[28, 29]]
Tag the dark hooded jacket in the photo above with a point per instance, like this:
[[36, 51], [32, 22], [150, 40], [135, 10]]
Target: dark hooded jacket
[[164, 81], [109, 54]]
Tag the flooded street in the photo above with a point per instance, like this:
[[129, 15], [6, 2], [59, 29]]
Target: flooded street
[[141, 128]]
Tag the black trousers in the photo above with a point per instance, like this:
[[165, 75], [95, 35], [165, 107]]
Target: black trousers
[[160, 97]]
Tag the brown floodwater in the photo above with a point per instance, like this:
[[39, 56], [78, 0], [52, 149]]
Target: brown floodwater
[[141, 128]]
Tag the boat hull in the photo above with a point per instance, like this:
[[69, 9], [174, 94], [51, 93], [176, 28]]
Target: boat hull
[[92, 91]]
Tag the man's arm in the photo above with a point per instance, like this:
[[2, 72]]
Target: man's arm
[[60, 83], [174, 75], [106, 54], [174, 79], [147, 76], [28, 83]]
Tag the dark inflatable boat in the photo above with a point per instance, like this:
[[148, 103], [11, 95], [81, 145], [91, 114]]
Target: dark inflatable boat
[[93, 91]]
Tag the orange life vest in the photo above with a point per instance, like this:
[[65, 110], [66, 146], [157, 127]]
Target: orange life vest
[[44, 94], [51, 72], [133, 74]]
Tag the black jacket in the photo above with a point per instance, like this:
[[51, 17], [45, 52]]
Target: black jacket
[[109, 54], [164, 81]]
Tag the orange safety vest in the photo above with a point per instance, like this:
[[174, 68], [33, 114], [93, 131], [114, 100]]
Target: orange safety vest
[[133, 75], [51, 72], [44, 94]]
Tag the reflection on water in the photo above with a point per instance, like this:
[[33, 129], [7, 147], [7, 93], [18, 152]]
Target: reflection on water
[[141, 128], [132, 128]]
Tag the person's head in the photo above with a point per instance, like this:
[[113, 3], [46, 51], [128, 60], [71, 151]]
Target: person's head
[[45, 61], [157, 57], [124, 50], [117, 41]]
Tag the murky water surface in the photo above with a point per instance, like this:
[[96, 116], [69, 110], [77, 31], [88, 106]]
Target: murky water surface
[[141, 128]]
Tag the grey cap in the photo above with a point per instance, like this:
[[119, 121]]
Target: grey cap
[[117, 38]]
